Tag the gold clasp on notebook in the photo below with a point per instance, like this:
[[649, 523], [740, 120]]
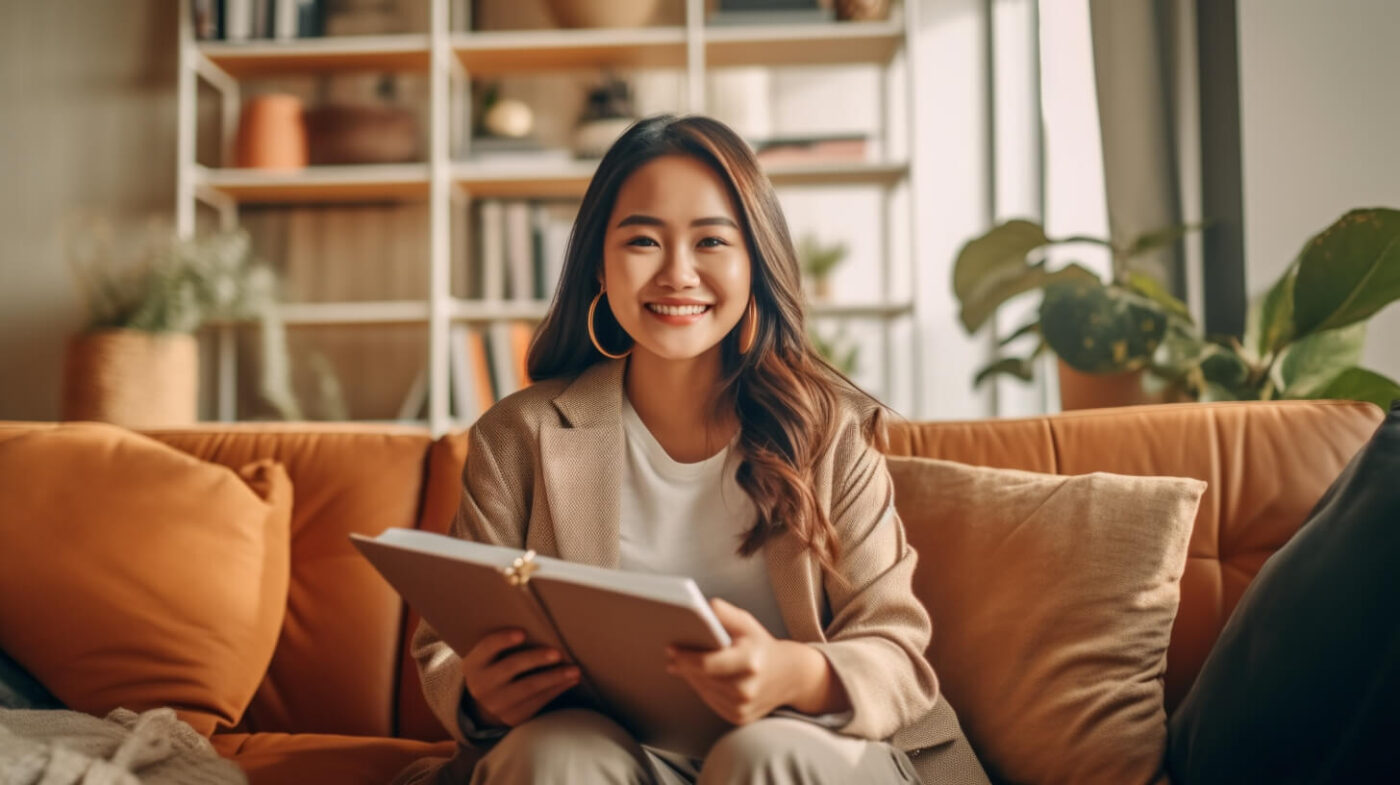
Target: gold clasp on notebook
[[520, 570]]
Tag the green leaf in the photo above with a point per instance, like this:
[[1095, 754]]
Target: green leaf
[[1228, 370], [1269, 322], [1216, 392], [1098, 329], [1315, 359], [1025, 329], [1348, 271], [1020, 367], [1152, 289], [1359, 384], [999, 253], [978, 307]]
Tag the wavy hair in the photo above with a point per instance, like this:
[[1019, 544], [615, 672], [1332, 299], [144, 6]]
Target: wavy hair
[[785, 394]]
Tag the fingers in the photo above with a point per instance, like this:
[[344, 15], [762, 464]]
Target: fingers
[[729, 662], [505, 671], [531, 694], [735, 620], [490, 647]]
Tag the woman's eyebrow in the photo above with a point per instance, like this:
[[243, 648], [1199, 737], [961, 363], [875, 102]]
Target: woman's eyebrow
[[637, 219]]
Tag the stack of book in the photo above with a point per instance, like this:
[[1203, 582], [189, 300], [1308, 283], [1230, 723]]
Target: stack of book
[[518, 249], [245, 20]]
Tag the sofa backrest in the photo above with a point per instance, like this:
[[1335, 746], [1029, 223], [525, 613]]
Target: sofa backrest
[[1266, 465], [341, 664]]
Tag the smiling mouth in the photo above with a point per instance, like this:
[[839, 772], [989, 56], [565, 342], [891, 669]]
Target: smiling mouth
[[677, 310]]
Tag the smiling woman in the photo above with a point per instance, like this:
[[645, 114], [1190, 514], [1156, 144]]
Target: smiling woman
[[676, 388]]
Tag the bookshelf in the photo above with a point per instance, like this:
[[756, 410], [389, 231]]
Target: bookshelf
[[449, 54]]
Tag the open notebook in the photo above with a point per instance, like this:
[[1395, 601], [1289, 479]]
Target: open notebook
[[613, 624]]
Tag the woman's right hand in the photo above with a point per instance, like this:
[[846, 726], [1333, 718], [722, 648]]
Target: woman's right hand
[[501, 694]]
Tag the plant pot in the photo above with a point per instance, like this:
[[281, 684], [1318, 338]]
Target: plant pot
[[132, 378], [271, 133], [1080, 390], [602, 13]]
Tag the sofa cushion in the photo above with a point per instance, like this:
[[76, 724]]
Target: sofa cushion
[[300, 758], [136, 576], [1304, 682], [1052, 600]]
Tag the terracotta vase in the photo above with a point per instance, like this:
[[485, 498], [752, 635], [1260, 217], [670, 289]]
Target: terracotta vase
[[132, 378], [1080, 390], [271, 133], [602, 13]]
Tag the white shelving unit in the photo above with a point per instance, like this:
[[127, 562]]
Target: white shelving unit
[[450, 57]]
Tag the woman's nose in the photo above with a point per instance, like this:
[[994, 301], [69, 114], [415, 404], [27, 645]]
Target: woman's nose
[[678, 270]]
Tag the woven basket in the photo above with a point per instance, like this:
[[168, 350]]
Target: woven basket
[[862, 10], [132, 378]]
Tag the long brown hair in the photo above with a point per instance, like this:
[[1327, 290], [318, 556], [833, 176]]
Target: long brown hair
[[787, 397]]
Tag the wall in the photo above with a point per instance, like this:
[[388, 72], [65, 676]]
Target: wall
[[88, 121], [1319, 119]]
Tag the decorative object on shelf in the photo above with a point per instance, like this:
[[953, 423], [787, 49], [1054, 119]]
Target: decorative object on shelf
[[136, 363], [603, 13], [1302, 339], [369, 133], [607, 112], [862, 10], [818, 260], [770, 12], [272, 133], [509, 118]]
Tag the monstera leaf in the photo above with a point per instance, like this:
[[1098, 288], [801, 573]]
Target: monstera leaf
[[1100, 330]]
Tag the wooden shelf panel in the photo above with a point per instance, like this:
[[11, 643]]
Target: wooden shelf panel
[[487, 181], [344, 53], [809, 44], [535, 310], [366, 183], [495, 53]]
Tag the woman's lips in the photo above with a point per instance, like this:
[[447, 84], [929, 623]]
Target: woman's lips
[[677, 315]]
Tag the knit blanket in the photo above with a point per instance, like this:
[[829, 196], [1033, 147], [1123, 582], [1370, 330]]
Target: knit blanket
[[71, 748]]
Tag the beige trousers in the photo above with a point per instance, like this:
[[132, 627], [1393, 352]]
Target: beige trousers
[[578, 745]]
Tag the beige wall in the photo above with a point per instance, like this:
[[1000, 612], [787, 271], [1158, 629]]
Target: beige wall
[[87, 121]]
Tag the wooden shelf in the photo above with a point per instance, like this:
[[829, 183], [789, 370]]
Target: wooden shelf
[[878, 310], [805, 44], [346, 313], [495, 53], [571, 180], [366, 183], [344, 53], [496, 310]]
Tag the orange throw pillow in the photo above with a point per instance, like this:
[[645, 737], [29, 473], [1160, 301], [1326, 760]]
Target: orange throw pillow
[[1052, 600], [135, 575]]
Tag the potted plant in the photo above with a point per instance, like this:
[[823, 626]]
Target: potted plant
[[1303, 338], [136, 364], [817, 260]]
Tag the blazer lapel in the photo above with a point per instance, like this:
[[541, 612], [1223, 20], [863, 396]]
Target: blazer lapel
[[581, 460]]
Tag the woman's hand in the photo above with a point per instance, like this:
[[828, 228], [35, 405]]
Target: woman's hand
[[501, 694], [757, 673]]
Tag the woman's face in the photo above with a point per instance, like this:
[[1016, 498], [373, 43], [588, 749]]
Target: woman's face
[[675, 263]]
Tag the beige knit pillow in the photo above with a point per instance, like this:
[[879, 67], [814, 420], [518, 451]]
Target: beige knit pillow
[[1052, 600]]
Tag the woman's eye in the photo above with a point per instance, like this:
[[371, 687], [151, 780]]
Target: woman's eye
[[712, 242], [641, 240]]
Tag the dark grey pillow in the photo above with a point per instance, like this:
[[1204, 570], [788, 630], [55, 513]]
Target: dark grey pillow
[[1303, 685], [19, 690]]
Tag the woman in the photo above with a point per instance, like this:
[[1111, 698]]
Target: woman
[[681, 422]]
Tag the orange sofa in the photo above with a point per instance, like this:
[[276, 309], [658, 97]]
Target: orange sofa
[[341, 700]]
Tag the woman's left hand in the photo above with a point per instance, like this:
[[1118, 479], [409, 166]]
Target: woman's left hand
[[751, 677]]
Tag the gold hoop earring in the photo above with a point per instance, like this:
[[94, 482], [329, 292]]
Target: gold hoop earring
[[593, 336], [749, 331]]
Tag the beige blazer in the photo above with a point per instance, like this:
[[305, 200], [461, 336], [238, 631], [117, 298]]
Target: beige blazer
[[544, 471]]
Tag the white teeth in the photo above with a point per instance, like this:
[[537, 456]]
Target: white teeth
[[677, 310]]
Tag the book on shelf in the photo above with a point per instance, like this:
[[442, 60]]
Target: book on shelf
[[770, 12], [472, 393], [613, 624], [520, 249], [415, 402], [508, 346], [246, 20]]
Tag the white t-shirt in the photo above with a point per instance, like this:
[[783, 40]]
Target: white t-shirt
[[689, 519]]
